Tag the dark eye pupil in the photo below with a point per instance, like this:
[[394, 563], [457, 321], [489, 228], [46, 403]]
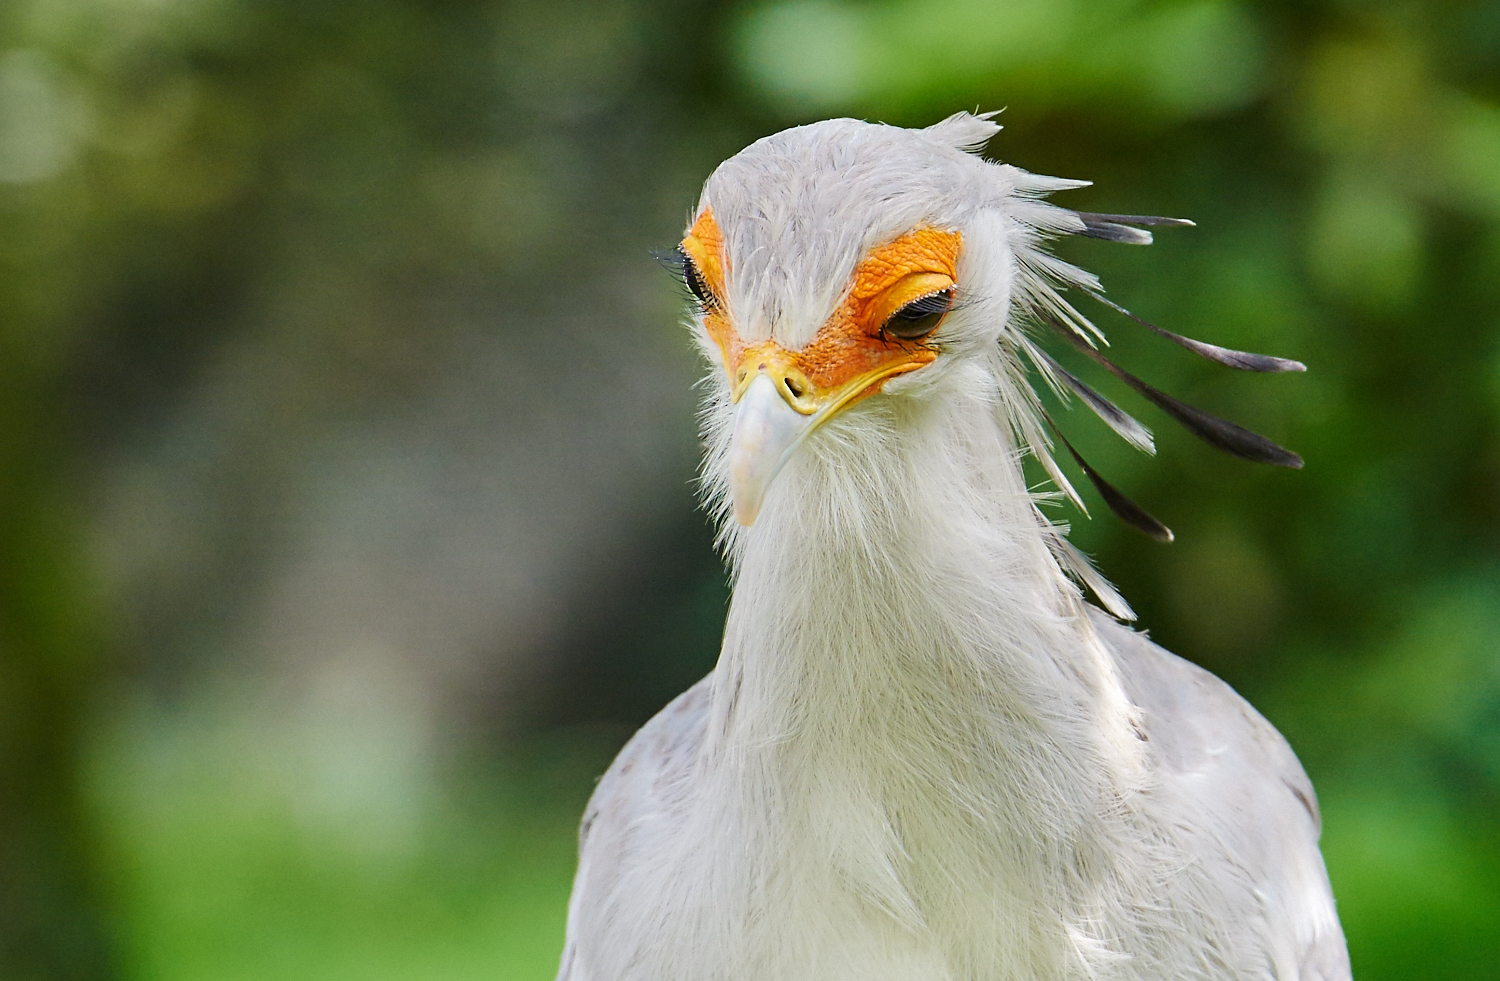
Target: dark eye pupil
[[920, 317]]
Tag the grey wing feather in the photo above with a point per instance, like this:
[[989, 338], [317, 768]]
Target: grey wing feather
[[1219, 751], [638, 784]]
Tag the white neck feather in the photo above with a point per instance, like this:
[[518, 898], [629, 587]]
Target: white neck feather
[[908, 680]]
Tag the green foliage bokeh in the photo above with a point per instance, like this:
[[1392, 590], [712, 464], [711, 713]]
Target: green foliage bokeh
[[178, 177]]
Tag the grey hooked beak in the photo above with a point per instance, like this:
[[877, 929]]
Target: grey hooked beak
[[766, 431]]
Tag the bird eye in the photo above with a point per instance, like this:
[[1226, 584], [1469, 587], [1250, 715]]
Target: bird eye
[[920, 317], [695, 283]]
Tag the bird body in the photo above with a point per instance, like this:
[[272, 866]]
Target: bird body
[[922, 755]]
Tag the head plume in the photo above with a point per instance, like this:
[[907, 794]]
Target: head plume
[[804, 210]]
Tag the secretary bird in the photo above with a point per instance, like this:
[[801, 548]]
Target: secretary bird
[[923, 755]]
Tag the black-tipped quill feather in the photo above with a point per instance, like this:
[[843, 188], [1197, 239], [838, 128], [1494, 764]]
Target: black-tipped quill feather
[[1147, 220], [1116, 418], [1111, 232], [1123, 507], [1116, 228], [1243, 360], [1220, 433]]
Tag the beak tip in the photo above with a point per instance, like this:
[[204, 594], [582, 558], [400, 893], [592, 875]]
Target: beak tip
[[747, 496]]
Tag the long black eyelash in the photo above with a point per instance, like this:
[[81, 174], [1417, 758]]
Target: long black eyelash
[[938, 303], [681, 266], [943, 301], [695, 284], [957, 299], [673, 261], [960, 298]]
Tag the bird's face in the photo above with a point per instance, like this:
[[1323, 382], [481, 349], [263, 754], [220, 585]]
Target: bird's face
[[837, 266], [883, 326], [846, 264]]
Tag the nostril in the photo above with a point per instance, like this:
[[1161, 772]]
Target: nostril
[[795, 388]]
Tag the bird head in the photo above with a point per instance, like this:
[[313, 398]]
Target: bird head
[[843, 267]]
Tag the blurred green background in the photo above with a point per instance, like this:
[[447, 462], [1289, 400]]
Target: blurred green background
[[346, 434]]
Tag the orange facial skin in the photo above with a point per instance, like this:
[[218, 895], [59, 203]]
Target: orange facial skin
[[850, 346]]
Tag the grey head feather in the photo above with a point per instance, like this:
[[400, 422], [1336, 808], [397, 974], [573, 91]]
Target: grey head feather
[[1077, 565], [800, 208], [965, 131]]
